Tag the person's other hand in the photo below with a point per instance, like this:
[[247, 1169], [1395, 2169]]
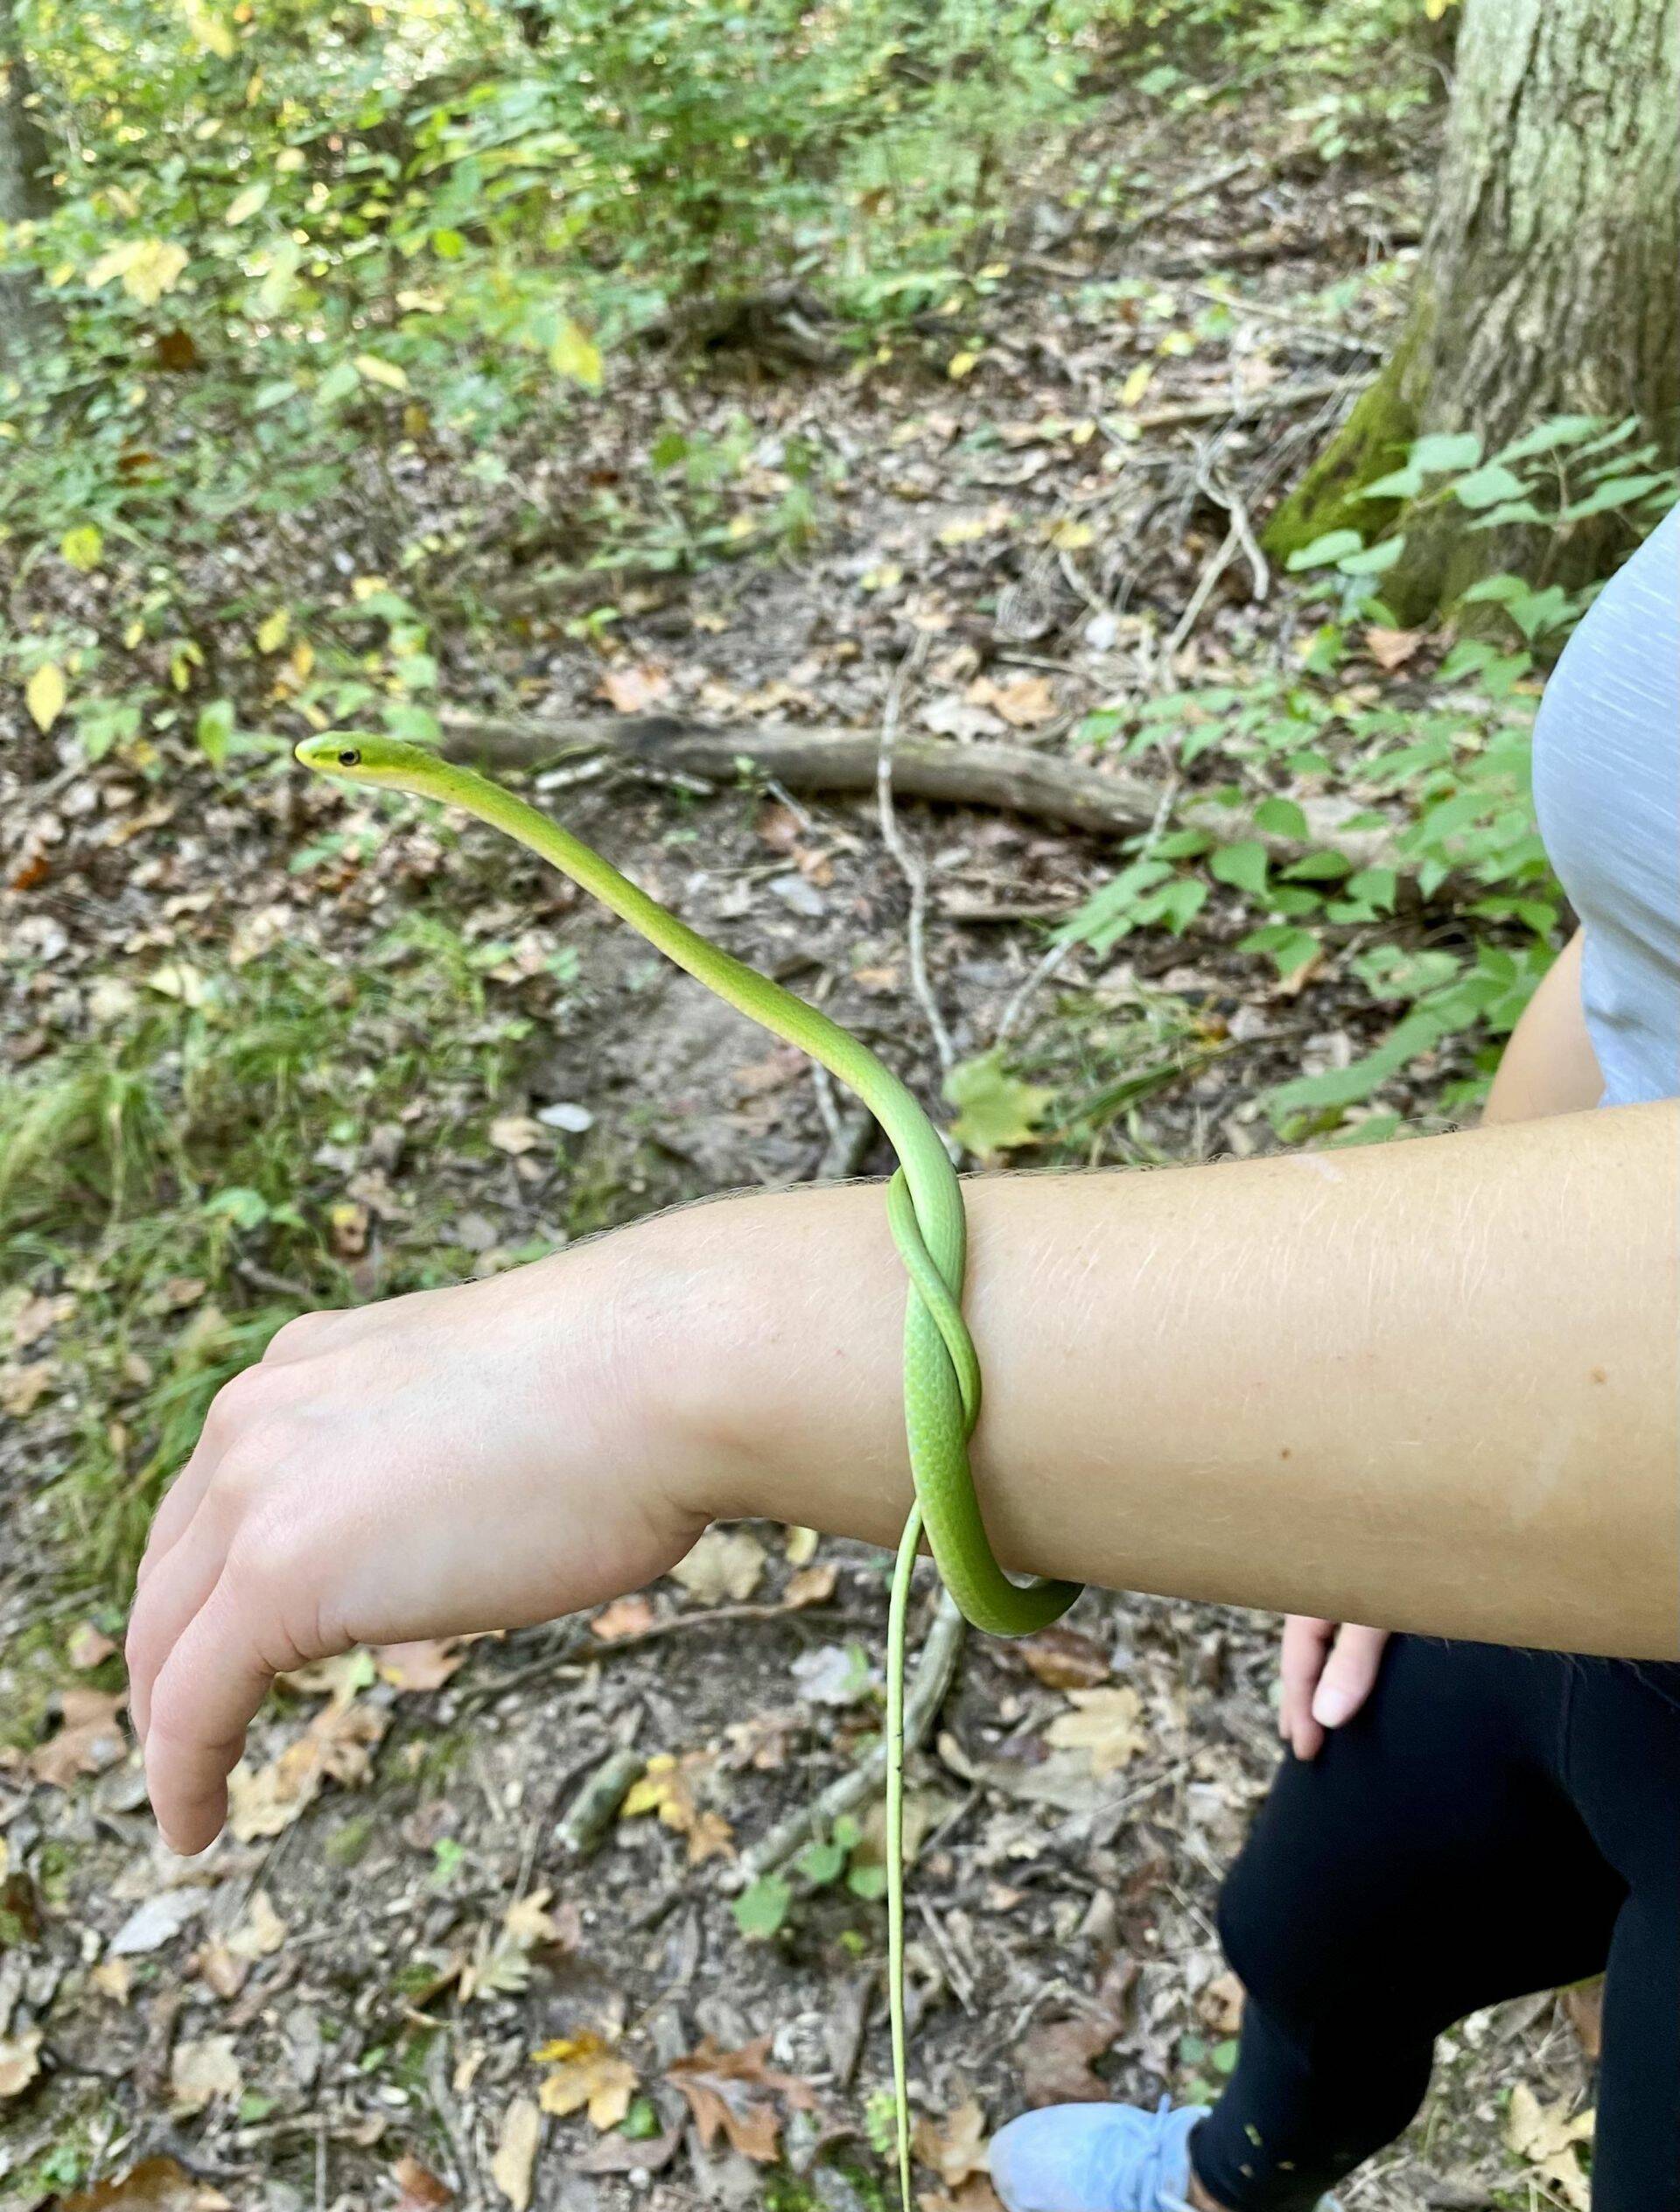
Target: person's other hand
[[482, 1457], [1329, 1669]]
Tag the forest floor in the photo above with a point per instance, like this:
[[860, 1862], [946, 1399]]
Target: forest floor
[[396, 1983]]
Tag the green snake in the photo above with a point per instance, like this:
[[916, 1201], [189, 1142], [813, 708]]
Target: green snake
[[924, 1209]]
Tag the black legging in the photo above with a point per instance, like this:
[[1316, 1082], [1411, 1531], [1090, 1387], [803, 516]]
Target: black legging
[[1495, 1822]]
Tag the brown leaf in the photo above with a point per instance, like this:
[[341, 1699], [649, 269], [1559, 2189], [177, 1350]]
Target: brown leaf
[[20, 2061], [1221, 2003], [422, 2190], [1054, 2058], [1392, 648], [203, 2069], [510, 2169], [173, 350], [618, 2154], [1105, 1724], [1066, 1658], [630, 1616], [337, 1746], [1585, 2004], [23, 1386], [517, 1134], [1025, 702], [425, 1664], [977, 2194], [725, 1562], [348, 1224], [36, 1316], [88, 1738], [810, 1586], [958, 2149], [633, 690], [156, 2185], [718, 2087]]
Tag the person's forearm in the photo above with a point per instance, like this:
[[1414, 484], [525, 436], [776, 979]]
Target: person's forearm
[[1429, 1386]]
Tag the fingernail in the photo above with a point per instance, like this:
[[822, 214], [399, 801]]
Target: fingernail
[[1331, 1706]]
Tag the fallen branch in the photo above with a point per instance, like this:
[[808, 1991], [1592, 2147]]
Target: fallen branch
[[936, 1670], [1270, 400], [596, 1806], [1011, 779]]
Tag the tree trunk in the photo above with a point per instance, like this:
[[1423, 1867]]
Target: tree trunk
[[1548, 282], [25, 190]]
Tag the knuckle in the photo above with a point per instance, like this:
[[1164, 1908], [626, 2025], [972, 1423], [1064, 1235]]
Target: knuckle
[[302, 1333], [239, 1402]]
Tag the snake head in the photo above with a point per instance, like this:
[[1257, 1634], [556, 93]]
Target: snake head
[[363, 756]]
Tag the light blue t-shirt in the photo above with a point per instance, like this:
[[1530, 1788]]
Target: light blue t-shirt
[[1607, 786]]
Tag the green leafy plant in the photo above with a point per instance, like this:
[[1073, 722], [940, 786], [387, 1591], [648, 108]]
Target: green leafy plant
[[1421, 870]]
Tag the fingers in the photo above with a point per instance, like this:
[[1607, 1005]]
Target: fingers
[[1306, 1641], [1349, 1675], [181, 1501], [204, 1699], [170, 1599], [304, 1337]]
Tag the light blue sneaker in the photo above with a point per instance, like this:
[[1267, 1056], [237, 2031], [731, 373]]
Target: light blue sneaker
[[1098, 2158]]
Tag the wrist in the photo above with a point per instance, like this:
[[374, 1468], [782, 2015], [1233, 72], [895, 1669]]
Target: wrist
[[771, 1359]]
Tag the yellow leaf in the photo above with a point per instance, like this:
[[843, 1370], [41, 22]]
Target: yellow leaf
[[1545, 2138], [289, 160], [1136, 385], [386, 372], [246, 204], [82, 546], [586, 2072], [1071, 536], [147, 267], [667, 1789], [272, 634], [575, 353], [209, 32], [46, 694], [961, 365]]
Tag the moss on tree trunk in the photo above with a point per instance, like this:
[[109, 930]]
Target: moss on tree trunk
[[1548, 282]]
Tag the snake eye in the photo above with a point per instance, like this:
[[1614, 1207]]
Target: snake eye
[[349, 758]]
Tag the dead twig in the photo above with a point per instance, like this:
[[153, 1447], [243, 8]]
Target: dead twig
[[1197, 188], [587, 1649], [1294, 324], [936, 1670], [908, 862], [1273, 400]]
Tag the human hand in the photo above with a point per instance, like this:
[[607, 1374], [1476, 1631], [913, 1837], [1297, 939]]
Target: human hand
[[1329, 1669], [481, 1457]]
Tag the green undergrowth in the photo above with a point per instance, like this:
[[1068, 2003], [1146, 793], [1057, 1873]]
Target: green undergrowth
[[208, 1162], [1343, 817]]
